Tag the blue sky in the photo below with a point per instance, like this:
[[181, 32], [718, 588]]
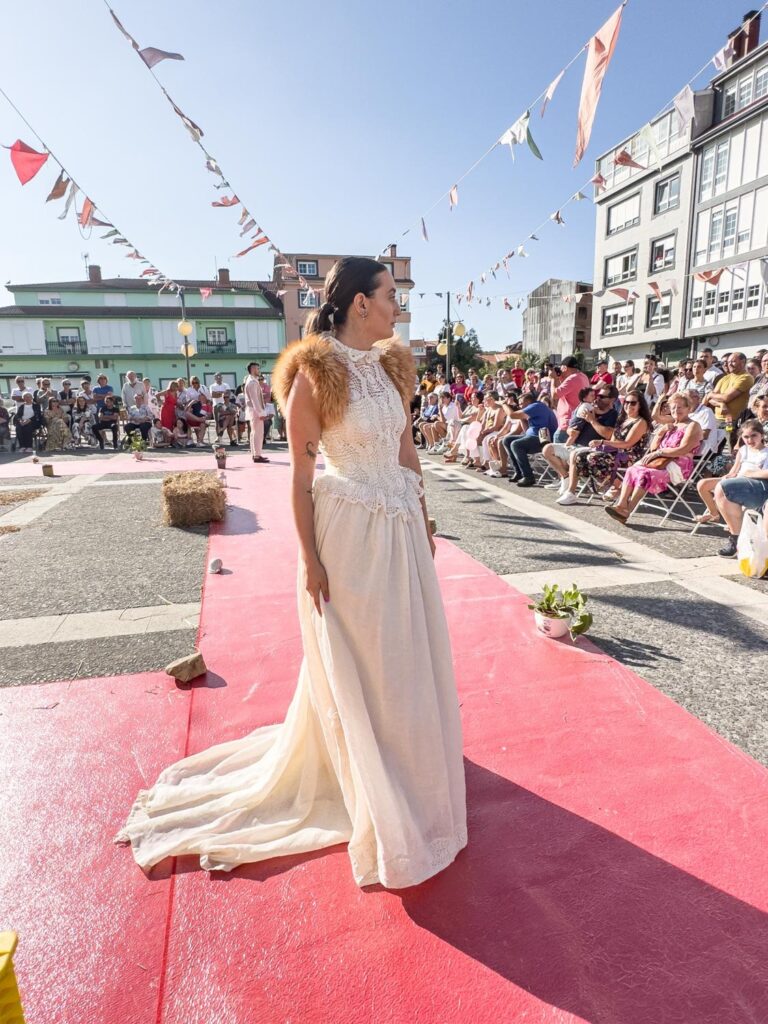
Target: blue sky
[[338, 125]]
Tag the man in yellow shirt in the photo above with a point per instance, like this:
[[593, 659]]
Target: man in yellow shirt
[[730, 395]]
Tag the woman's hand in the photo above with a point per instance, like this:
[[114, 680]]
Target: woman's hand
[[595, 444], [316, 583]]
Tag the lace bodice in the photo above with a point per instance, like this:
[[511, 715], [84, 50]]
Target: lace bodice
[[362, 451]]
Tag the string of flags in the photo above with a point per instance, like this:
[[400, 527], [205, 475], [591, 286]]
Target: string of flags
[[683, 105], [599, 49], [27, 162], [151, 56]]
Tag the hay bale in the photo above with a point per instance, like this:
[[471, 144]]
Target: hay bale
[[191, 499]]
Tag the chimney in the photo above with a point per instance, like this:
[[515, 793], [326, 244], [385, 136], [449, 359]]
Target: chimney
[[751, 30], [94, 273], [224, 277], [744, 40]]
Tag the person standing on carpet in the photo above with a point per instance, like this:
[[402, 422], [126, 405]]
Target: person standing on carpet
[[370, 752], [256, 411]]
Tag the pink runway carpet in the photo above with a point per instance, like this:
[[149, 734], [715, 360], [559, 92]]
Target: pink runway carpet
[[615, 872]]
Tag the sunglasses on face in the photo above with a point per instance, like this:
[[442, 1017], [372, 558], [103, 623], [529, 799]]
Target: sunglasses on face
[[632, 401]]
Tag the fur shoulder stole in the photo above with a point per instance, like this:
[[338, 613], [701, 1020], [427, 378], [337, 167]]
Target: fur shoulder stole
[[326, 371]]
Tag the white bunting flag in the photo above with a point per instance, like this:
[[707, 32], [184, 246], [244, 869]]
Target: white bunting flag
[[424, 234], [551, 91], [684, 107], [453, 197], [648, 135]]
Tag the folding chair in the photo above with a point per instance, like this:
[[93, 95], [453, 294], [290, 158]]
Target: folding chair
[[676, 493]]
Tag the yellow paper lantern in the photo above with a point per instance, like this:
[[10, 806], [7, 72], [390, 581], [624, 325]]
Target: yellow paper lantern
[[442, 349], [188, 349], [184, 327], [459, 330]]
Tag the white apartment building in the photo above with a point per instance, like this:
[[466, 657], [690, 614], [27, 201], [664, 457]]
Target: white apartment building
[[730, 213], [641, 236], [553, 327], [698, 204]]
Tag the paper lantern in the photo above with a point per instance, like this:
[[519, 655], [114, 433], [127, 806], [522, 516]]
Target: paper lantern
[[459, 330], [442, 349], [184, 327]]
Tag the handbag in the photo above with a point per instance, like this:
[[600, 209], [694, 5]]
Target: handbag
[[752, 547]]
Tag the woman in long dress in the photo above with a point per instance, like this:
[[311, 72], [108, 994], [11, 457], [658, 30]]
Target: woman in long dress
[[370, 752]]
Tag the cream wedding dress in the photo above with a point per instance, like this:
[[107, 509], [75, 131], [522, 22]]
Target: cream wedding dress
[[370, 752]]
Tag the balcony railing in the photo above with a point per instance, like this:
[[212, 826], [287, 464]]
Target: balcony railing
[[217, 348], [66, 348]]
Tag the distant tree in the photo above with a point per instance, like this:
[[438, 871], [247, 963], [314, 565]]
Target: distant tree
[[466, 353]]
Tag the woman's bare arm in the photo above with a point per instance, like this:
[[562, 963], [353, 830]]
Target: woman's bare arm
[[410, 459], [303, 428]]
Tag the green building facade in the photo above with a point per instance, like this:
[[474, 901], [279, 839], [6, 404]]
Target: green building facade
[[72, 329]]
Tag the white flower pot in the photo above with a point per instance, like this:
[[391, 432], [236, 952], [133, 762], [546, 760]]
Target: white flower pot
[[551, 627]]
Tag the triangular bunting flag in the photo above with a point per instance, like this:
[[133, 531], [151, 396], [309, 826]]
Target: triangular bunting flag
[[26, 161], [599, 182], [578, 197], [557, 217], [59, 188], [507, 304], [599, 52], [424, 234], [623, 159], [151, 56], [86, 213], [551, 91], [453, 197], [206, 293], [254, 245], [248, 226], [73, 190], [710, 276], [226, 201], [685, 107], [655, 289]]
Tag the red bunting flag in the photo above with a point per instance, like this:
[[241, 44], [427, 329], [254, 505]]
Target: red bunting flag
[[625, 160], [151, 56], [623, 293], [148, 271], [655, 289], [551, 91], [26, 161], [254, 245], [59, 188], [135, 255], [86, 214], [599, 182], [206, 293], [226, 201], [710, 276], [507, 304]]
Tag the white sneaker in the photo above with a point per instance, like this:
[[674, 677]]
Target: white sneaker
[[553, 487], [567, 498], [564, 486], [440, 448], [493, 472]]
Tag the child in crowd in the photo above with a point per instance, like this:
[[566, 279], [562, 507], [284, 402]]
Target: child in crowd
[[586, 403], [181, 436], [160, 436]]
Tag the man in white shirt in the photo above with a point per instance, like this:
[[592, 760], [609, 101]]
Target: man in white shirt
[[19, 391], [86, 392], [714, 370], [132, 387], [256, 412], [218, 389], [140, 417], [705, 417], [654, 387]]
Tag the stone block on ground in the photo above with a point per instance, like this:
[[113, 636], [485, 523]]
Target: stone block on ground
[[192, 499], [184, 670]]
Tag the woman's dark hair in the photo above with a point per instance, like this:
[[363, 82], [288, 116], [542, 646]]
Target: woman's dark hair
[[642, 408], [347, 278]]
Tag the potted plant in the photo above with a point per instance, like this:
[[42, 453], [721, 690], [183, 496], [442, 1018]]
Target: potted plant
[[138, 445], [558, 611], [220, 455]]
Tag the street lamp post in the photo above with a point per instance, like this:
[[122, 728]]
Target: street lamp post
[[445, 347], [184, 327]]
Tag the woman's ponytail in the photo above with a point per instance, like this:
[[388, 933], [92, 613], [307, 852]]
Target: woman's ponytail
[[320, 320]]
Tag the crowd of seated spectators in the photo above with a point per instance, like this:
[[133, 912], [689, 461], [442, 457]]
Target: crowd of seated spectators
[[176, 416], [623, 433]]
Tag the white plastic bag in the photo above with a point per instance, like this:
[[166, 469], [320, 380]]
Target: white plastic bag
[[752, 547]]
